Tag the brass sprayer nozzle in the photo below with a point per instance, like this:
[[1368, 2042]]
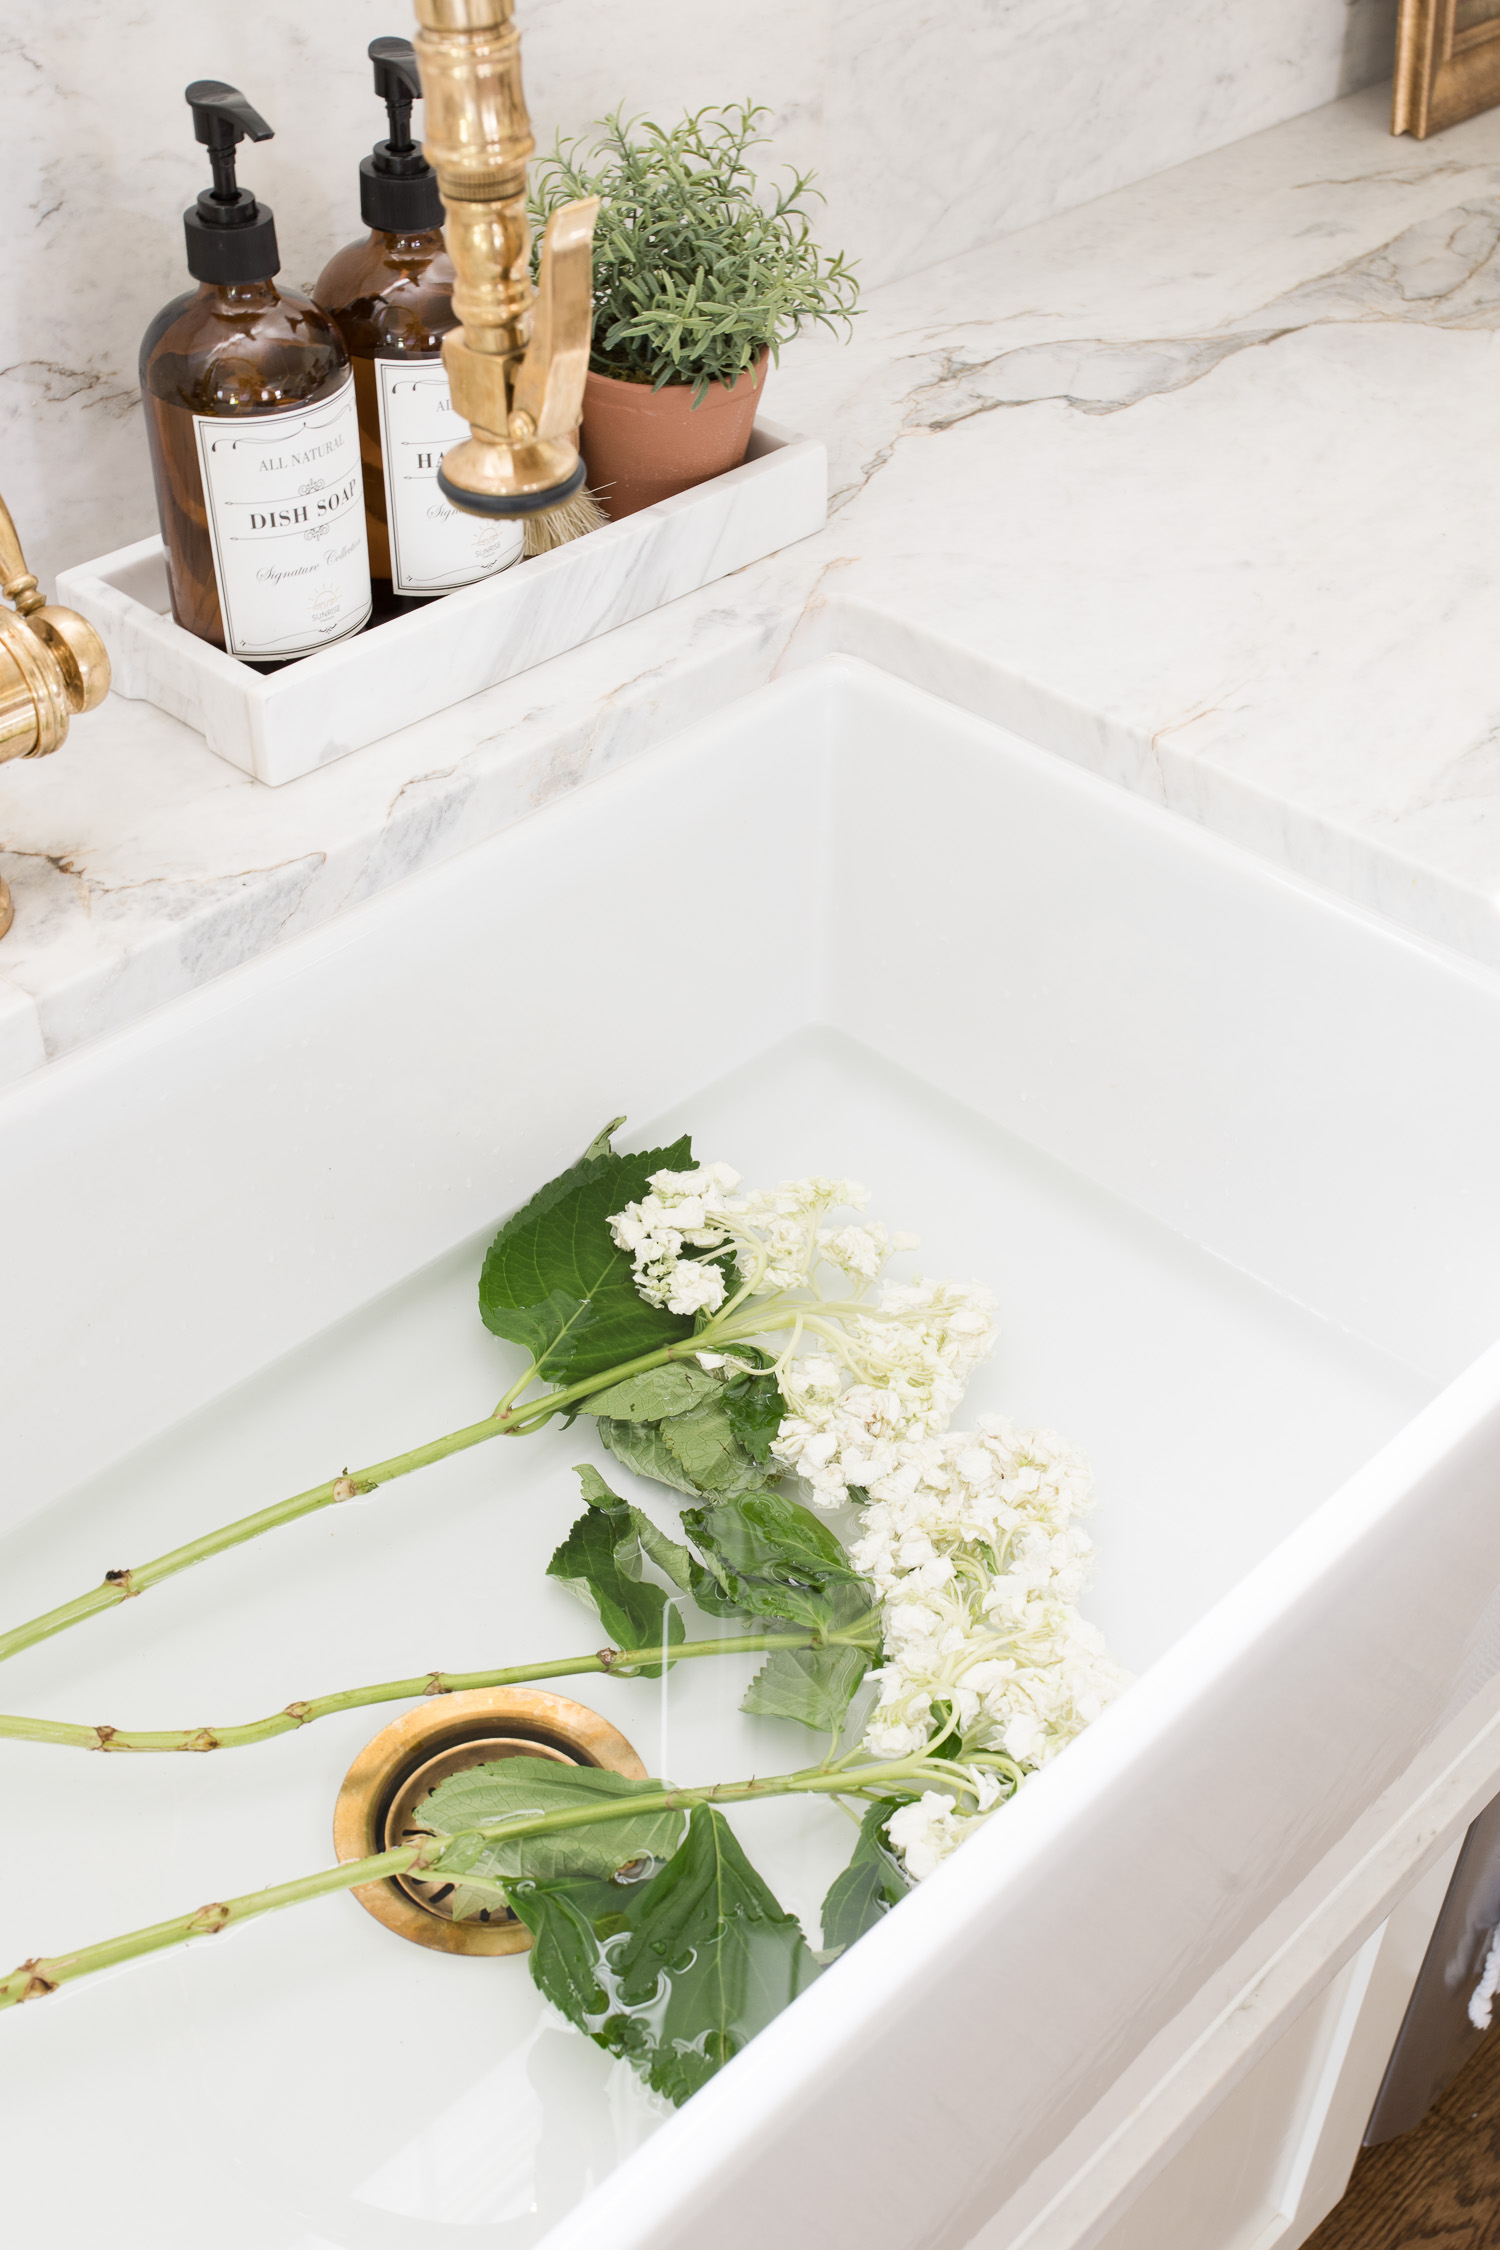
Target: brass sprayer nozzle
[[516, 365]]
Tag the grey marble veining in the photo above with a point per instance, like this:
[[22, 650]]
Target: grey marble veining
[[1193, 486], [1442, 272], [932, 131]]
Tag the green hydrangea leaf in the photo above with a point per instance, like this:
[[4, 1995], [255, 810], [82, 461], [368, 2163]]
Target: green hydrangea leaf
[[569, 1919], [685, 1452], [760, 1557], [600, 1562], [683, 1424], [602, 1143], [593, 1487], [699, 1959], [869, 1886], [766, 1535], [633, 1539], [756, 1412], [813, 1685], [710, 1455], [771, 1557], [657, 1395], [639, 1447], [549, 1332], [853, 1615], [511, 1788], [554, 1282], [674, 1561]]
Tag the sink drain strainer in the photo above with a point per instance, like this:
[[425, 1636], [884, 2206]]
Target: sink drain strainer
[[380, 1803]]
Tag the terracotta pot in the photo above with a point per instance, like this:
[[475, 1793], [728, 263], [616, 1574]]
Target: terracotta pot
[[642, 445]]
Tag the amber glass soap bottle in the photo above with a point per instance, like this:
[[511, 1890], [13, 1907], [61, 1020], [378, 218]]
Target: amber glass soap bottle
[[253, 429], [391, 297]]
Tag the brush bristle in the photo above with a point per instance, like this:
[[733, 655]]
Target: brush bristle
[[555, 527]]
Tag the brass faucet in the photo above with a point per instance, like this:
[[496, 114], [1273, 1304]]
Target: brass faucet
[[52, 664], [516, 364]]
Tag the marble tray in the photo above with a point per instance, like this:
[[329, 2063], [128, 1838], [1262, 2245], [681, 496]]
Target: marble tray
[[282, 724]]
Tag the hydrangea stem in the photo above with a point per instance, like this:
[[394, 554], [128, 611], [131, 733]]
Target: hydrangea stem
[[509, 1420], [121, 1585], [36, 1978], [622, 1661]]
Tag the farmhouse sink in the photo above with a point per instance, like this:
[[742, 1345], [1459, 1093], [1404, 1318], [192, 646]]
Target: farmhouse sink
[[1225, 1149]]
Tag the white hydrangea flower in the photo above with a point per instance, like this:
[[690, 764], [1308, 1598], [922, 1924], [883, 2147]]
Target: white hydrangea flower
[[683, 1210], [857, 1250], [782, 1223], [779, 1244], [693, 1288], [915, 1349], [775, 1229], [884, 1739], [972, 1540], [926, 1832]]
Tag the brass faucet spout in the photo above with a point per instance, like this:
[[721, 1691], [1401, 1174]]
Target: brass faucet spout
[[516, 364]]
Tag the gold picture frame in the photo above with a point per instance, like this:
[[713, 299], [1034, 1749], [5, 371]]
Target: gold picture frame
[[1447, 63]]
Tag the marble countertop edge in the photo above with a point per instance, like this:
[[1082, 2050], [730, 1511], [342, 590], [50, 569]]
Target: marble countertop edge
[[146, 944], [1191, 486]]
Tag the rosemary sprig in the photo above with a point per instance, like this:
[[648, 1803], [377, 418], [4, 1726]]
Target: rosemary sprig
[[697, 270]]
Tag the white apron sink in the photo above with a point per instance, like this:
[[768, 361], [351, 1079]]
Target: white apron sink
[[1225, 1149]]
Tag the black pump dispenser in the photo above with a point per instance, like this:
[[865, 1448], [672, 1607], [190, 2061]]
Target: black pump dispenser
[[398, 190], [230, 237]]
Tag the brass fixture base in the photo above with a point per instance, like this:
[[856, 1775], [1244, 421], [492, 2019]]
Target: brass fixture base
[[7, 907], [384, 1787], [496, 480]]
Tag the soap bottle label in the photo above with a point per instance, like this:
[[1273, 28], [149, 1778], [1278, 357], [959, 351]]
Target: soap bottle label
[[433, 547], [286, 519]]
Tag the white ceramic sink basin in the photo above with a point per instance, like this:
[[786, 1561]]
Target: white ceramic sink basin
[[1224, 1148]]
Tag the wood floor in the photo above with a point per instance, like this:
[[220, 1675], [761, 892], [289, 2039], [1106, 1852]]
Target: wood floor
[[1438, 2187]]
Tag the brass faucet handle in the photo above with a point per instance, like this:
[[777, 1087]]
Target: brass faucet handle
[[52, 663], [78, 652], [17, 583], [549, 384]]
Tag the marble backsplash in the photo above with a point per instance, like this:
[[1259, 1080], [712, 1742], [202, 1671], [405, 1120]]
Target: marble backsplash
[[932, 129]]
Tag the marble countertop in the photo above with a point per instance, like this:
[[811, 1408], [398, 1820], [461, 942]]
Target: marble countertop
[[1198, 485]]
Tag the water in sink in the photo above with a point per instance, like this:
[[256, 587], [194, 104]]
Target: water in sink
[[344, 2088]]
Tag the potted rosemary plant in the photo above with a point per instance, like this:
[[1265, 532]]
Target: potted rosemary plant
[[700, 275]]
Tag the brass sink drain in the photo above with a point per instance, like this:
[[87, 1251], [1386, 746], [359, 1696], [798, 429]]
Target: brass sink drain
[[383, 1791]]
